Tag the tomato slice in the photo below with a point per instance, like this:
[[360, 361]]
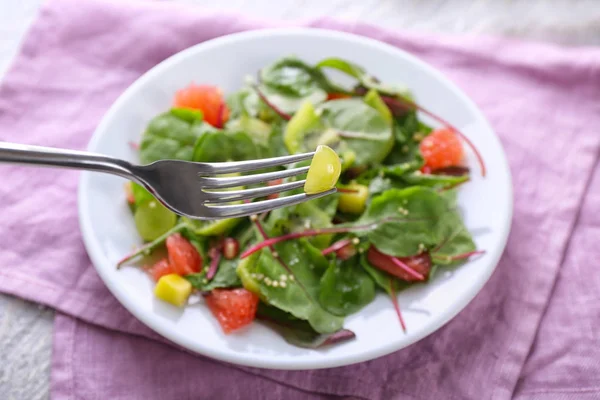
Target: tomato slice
[[206, 98], [233, 308], [336, 96], [160, 269], [183, 256], [442, 148]]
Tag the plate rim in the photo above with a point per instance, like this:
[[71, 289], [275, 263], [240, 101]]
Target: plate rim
[[270, 361]]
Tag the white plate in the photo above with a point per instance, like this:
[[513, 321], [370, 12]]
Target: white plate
[[109, 232]]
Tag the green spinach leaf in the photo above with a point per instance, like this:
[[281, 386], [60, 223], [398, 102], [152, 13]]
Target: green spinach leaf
[[365, 79], [298, 332], [226, 277], [353, 127], [409, 219], [346, 287], [294, 287], [172, 135], [222, 146]]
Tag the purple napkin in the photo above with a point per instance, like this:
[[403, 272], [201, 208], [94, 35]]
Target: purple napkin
[[531, 333]]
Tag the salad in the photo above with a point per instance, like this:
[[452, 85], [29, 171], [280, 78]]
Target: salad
[[302, 269]]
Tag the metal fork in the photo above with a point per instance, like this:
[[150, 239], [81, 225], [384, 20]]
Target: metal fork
[[187, 188]]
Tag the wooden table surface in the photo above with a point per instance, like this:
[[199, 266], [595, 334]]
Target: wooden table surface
[[26, 328]]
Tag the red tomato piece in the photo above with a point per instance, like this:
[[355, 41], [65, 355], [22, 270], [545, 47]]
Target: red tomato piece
[[336, 96], [206, 98], [233, 308], [183, 256], [160, 269], [441, 149]]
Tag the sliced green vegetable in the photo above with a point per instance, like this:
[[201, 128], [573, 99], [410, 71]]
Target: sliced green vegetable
[[152, 219], [373, 99], [354, 200], [324, 172], [305, 120]]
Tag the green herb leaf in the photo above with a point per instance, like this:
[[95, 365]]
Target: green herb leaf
[[298, 332], [298, 295], [171, 135], [428, 213], [223, 146], [226, 277], [346, 287]]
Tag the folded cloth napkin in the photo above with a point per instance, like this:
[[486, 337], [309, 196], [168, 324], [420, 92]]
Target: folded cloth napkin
[[531, 333]]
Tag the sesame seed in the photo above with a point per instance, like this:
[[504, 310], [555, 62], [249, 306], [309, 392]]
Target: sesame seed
[[282, 284], [253, 218], [260, 276], [283, 277], [205, 281], [268, 280], [275, 283], [275, 254], [355, 241], [292, 278]]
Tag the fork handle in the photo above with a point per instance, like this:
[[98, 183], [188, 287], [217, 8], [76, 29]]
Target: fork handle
[[54, 157]]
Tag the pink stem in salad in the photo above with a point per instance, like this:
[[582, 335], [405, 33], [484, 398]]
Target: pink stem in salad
[[315, 232], [336, 246], [272, 106], [396, 305], [215, 258], [459, 256], [340, 336], [453, 186], [394, 102], [220, 115], [397, 262]]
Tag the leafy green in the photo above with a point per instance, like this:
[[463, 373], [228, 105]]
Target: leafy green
[[290, 104], [299, 332], [406, 148], [368, 81], [294, 77], [381, 278], [353, 127], [301, 217], [289, 82], [298, 296], [435, 181], [424, 218], [187, 114], [172, 135], [221, 146], [346, 287], [226, 277]]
